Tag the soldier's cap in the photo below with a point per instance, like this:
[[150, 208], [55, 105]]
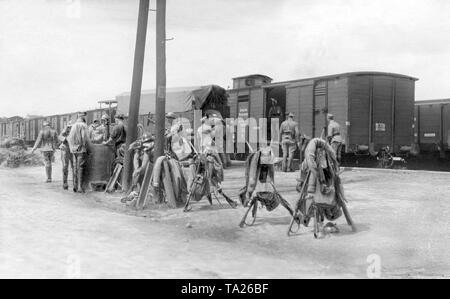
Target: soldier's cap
[[171, 115], [105, 116], [273, 100], [330, 116], [290, 114], [120, 116], [147, 137], [45, 123]]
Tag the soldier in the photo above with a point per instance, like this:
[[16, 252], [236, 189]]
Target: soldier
[[275, 112], [289, 137], [143, 155], [79, 144], [205, 134], [96, 132], [66, 156], [104, 124], [118, 134], [334, 135], [82, 116], [47, 140], [173, 127]]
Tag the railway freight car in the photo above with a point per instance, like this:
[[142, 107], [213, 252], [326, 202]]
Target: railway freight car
[[432, 125], [14, 127], [374, 109], [31, 129], [3, 124]]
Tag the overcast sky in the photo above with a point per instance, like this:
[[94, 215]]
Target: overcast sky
[[60, 56]]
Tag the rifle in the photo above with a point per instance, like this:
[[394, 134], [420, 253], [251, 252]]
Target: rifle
[[298, 215]]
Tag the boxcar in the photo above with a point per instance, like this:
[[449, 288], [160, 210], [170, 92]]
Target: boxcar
[[374, 109], [432, 125], [15, 127], [3, 124]]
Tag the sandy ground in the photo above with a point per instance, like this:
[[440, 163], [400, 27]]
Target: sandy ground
[[46, 232]]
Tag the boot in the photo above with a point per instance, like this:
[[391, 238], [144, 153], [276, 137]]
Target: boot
[[75, 180], [48, 171], [80, 181], [209, 199], [65, 184], [289, 166]]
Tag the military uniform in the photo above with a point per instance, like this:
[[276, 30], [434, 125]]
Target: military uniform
[[66, 157], [289, 135], [79, 144], [47, 140], [142, 157], [97, 134], [118, 136], [334, 136]]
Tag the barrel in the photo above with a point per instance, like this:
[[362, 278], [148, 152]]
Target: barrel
[[100, 163]]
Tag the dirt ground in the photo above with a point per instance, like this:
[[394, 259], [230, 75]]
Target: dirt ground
[[46, 232]]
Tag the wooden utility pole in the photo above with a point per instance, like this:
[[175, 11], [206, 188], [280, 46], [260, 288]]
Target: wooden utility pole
[[136, 85], [160, 109]]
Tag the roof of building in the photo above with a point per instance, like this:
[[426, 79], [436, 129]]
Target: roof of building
[[431, 102], [179, 99], [253, 76], [342, 75], [15, 117]]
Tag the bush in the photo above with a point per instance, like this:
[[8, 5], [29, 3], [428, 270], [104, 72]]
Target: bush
[[16, 156], [13, 142]]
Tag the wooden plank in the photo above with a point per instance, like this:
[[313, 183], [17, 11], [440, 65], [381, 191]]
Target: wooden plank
[[382, 111], [306, 109], [404, 112], [257, 103], [143, 193], [359, 94], [338, 102]]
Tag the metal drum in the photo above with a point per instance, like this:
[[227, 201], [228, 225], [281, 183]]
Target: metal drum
[[100, 163]]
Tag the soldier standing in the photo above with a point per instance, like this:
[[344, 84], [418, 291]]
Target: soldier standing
[[79, 144], [96, 132], [66, 156], [118, 134], [104, 124], [289, 136], [334, 136], [275, 112], [47, 140]]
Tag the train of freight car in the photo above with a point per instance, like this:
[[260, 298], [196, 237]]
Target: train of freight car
[[28, 128], [375, 110]]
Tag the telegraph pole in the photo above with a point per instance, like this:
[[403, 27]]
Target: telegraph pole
[[160, 109], [136, 85]]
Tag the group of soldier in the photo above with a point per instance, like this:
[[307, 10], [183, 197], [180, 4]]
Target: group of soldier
[[291, 139], [75, 142], [76, 139]]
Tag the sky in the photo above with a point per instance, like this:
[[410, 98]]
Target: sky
[[60, 56]]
